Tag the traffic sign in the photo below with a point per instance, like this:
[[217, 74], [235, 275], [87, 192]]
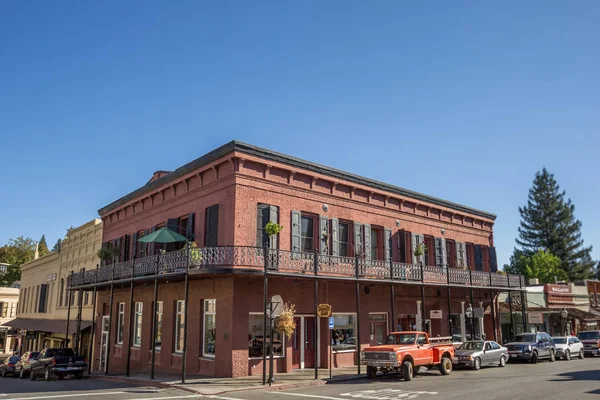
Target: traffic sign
[[331, 322]]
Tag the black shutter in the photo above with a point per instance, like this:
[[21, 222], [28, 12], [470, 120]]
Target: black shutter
[[478, 258], [262, 218], [125, 247], [493, 260], [211, 226], [189, 233], [134, 246], [387, 244], [102, 262], [152, 246], [43, 295]]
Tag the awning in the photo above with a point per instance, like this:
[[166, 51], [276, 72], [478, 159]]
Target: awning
[[46, 325], [583, 315]]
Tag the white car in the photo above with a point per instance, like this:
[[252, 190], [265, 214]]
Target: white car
[[568, 347]]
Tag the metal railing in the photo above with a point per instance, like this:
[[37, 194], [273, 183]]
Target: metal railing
[[290, 263]]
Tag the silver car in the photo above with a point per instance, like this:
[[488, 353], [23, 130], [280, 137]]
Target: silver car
[[478, 353]]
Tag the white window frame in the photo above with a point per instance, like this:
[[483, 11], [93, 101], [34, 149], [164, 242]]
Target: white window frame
[[121, 323], [206, 313], [178, 313], [137, 324], [158, 309], [283, 339]]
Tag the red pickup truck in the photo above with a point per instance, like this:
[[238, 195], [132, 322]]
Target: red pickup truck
[[407, 352]]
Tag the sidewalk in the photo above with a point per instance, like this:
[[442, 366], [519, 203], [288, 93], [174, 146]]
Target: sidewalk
[[214, 386]]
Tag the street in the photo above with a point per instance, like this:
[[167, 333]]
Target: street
[[577, 379]]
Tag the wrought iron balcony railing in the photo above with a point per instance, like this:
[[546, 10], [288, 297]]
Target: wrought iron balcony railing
[[283, 262]]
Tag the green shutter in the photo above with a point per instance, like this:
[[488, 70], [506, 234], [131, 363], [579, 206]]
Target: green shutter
[[358, 242], [323, 234], [387, 244], [335, 237], [296, 230], [367, 237], [274, 218]]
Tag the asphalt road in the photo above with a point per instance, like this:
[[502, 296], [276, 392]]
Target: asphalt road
[[561, 380]]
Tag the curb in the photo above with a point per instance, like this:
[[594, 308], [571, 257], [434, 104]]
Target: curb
[[283, 386]]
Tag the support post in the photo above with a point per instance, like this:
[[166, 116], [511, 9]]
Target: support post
[[316, 300], [265, 295], [131, 315], [392, 297], [91, 340], [450, 327], [110, 318], [512, 322], [69, 298], [524, 310], [493, 300], [155, 311], [77, 347], [358, 342], [422, 298], [185, 313], [472, 325]]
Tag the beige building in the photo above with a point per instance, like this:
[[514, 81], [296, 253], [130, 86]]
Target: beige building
[[9, 301], [43, 310]]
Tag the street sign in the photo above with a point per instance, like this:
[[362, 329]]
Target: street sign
[[331, 322], [324, 310]]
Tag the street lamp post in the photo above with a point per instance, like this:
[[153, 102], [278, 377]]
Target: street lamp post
[[469, 312], [563, 319]]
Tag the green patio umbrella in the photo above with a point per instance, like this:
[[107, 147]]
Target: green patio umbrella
[[163, 235]]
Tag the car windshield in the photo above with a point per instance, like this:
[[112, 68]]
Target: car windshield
[[560, 340], [471, 346], [13, 359], [525, 338], [60, 353], [589, 335], [401, 338]]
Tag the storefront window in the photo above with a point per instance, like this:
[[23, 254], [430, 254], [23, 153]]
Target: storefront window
[[344, 332], [256, 338], [121, 323], [208, 349], [137, 325], [179, 325]]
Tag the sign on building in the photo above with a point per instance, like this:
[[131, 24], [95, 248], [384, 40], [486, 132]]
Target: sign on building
[[435, 314], [535, 317]]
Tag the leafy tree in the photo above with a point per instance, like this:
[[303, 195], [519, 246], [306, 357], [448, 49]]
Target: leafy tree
[[548, 223], [17, 252], [43, 247], [541, 265], [57, 246]]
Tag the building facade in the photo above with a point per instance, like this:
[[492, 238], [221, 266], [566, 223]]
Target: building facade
[[9, 302], [347, 241], [43, 310]]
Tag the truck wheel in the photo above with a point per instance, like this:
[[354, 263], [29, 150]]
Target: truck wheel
[[407, 371], [445, 366], [476, 363], [371, 372], [552, 356], [46, 374], [534, 357], [31, 375]]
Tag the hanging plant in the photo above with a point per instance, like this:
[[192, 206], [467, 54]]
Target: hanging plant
[[106, 253], [273, 228], [420, 249], [284, 323], [195, 255]]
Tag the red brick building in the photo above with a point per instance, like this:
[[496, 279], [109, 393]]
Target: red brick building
[[347, 241]]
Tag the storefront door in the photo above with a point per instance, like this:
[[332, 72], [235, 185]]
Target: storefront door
[[303, 347], [103, 343]]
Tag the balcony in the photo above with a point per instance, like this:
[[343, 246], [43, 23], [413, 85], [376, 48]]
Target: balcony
[[245, 259]]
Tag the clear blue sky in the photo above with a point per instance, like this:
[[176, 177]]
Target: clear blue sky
[[462, 101]]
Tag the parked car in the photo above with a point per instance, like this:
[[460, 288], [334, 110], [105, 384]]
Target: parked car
[[567, 347], [59, 363], [8, 366], [532, 347], [591, 342], [479, 353], [23, 366], [407, 352]]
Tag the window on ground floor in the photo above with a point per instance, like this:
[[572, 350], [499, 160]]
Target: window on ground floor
[[121, 323], [209, 328], [159, 317], [137, 325], [256, 338], [344, 332], [179, 325]]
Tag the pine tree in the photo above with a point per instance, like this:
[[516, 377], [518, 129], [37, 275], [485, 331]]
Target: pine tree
[[548, 223], [57, 245], [43, 247]]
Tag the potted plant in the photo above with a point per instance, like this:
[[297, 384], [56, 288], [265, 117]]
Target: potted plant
[[195, 255], [272, 229], [284, 323], [420, 250]]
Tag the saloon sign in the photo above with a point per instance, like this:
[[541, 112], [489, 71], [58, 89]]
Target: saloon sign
[[559, 289]]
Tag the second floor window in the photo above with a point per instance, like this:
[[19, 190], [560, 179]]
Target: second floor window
[[307, 234], [211, 226], [344, 237], [374, 244]]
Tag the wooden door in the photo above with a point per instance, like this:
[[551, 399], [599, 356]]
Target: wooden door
[[296, 344], [309, 344]]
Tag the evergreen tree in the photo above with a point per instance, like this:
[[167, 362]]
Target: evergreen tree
[[43, 247], [548, 223], [57, 245]]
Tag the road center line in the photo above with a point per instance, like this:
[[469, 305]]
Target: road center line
[[314, 396], [65, 395], [191, 396], [221, 397]]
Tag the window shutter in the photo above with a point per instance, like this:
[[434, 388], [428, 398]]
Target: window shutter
[[414, 241], [444, 254], [152, 246], [125, 247], [262, 217], [274, 218], [358, 242], [493, 260], [387, 244], [323, 234], [190, 231], [211, 226], [134, 245], [407, 242], [438, 252], [367, 236], [478, 258], [421, 239], [460, 257], [173, 224], [296, 230], [335, 237]]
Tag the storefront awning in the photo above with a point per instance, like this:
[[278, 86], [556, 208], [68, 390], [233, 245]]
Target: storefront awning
[[583, 315], [46, 325]]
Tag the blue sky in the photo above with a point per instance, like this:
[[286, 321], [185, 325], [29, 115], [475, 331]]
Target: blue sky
[[460, 100]]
